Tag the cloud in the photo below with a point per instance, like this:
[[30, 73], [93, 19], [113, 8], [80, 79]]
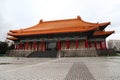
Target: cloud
[[16, 14], [3, 25]]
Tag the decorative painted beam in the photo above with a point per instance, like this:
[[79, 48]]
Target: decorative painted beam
[[53, 39]]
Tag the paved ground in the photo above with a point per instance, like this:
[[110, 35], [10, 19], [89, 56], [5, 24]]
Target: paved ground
[[82, 68]]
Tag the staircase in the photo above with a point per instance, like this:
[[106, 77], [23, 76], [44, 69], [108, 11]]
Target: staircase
[[46, 54]]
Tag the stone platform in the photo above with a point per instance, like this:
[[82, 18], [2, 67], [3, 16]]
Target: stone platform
[[62, 53]]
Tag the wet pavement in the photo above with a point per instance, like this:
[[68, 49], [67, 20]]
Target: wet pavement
[[78, 68]]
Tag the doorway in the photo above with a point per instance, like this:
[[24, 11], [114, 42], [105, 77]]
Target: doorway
[[51, 46]]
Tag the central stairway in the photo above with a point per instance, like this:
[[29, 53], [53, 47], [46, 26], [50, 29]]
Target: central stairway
[[46, 54]]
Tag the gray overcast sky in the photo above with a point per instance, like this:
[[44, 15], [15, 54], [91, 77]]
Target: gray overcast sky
[[18, 14]]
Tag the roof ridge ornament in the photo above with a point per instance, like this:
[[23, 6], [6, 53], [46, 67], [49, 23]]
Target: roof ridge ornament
[[98, 25], [78, 17], [41, 21], [21, 30]]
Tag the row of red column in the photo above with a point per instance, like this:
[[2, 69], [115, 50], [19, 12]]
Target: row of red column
[[42, 45], [33, 46], [88, 44], [67, 44]]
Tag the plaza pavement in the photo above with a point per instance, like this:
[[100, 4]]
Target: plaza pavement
[[77, 68]]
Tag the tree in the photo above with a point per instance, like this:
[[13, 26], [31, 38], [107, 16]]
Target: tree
[[3, 47]]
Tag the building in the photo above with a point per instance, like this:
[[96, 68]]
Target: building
[[61, 34], [114, 44]]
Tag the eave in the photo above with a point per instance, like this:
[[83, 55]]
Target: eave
[[53, 31], [103, 33], [12, 38]]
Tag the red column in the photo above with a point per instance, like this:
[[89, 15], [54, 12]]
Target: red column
[[59, 45], [31, 46], [89, 44], [23, 46], [17, 46], [76, 43], [20, 45], [40, 46], [34, 45], [86, 43], [43, 46], [101, 45], [68, 44], [26, 46], [105, 44], [37, 46], [95, 44]]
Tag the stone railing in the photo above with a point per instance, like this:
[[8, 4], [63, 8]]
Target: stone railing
[[90, 52], [77, 53], [19, 53]]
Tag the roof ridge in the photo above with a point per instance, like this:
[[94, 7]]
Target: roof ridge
[[78, 18], [57, 20]]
